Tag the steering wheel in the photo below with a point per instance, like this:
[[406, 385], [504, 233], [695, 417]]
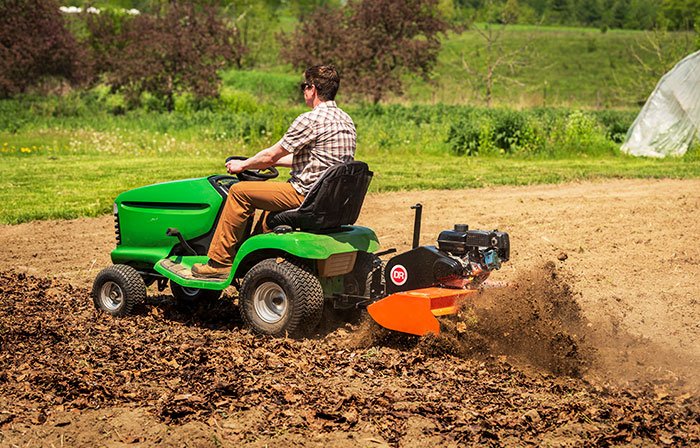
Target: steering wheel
[[255, 175]]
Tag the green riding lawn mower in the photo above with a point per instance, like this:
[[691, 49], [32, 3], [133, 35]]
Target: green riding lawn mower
[[314, 258]]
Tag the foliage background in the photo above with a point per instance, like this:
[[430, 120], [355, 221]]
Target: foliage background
[[67, 151]]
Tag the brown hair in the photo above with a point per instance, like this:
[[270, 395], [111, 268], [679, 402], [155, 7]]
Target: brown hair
[[325, 78]]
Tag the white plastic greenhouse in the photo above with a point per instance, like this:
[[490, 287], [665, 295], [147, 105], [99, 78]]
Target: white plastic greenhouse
[[669, 121]]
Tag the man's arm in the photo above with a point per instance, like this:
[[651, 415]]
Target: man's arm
[[286, 161], [275, 155]]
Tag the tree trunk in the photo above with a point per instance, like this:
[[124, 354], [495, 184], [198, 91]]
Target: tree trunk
[[170, 100]]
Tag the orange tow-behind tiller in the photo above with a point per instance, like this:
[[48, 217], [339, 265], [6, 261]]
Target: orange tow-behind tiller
[[428, 281]]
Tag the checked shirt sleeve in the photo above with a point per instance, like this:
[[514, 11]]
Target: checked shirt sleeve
[[300, 134]]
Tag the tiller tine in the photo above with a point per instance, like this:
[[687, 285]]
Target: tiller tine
[[414, 311]]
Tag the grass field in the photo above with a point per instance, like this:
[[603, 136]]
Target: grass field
[[65, 186], [69, 156]]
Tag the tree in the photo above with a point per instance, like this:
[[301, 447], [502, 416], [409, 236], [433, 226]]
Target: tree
[[656, 52], [560, 11], [178, 50], [374, 43], [588, 12], [34, 45], [495, 57], [681, 14], [252, 21], [511, 11]]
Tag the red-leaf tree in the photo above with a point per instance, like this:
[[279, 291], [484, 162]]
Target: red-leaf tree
[[35, 44], [178, 50], [372, 42]]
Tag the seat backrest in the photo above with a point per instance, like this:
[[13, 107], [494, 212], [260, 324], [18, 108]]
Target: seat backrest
[[334, 200]]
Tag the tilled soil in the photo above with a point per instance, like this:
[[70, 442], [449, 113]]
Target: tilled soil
[[595, 343]]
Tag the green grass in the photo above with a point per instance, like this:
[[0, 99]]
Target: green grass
[[572, 67], [65, 158], [65, 186]]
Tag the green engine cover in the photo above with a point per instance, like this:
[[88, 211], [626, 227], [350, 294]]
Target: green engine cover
[[146, 213]]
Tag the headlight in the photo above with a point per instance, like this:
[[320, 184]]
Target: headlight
[[115, 209]]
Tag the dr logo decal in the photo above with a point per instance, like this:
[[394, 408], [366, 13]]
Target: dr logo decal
[[398, 275]]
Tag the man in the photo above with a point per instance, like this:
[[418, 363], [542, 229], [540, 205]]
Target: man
[[316, 140]]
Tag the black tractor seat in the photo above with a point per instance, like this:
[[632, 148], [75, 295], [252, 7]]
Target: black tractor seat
[[334, 200]]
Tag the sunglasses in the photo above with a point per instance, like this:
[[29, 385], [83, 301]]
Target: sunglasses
[[305, 85]]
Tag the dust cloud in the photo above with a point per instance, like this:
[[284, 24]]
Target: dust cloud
[[537, 322]]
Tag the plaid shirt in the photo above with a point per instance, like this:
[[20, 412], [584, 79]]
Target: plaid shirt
[[318, 139]]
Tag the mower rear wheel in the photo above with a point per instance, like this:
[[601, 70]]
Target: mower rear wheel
[[118, 290], [192, 296], [280, 297]]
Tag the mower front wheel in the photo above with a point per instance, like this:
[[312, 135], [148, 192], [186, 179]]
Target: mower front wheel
[[118, 290], [192, 296], [280, 297]]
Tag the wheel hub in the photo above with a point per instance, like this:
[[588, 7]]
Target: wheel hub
[[190, 292], [111, 296], [270, 302]]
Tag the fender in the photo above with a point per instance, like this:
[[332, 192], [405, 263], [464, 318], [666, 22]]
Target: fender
[[299, 244]]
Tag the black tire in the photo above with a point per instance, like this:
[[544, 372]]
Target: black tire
[[118, 290], [193, 296], [280, 297]]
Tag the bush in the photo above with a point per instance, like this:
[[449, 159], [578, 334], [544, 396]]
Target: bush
[[535, 132], [616, 123], [179, 51], [34, 45], [494, 130], [510, 130], [237, 101], [464, 137], [12, 116]]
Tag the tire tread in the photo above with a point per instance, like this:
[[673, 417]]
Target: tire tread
[[306, 289], [132, 283]]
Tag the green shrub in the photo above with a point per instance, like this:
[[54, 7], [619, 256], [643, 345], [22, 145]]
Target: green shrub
[[693, 152], [234, 100], [272, 88], [616, 123], [11, 116], [500, 131], [464, 137], [509, 129], [238, 117], [152, 103]]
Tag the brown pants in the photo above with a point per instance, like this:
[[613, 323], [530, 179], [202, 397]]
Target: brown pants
[[243, 199]]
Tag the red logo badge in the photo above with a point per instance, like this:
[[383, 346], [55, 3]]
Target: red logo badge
[[398, 275]]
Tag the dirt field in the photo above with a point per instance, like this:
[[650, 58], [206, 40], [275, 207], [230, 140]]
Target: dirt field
[[597, 342]]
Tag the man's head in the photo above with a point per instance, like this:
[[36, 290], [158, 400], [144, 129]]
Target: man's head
[[325, 79]]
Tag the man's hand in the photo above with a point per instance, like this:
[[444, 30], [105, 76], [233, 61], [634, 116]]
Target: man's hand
[[275, 155], [236, 166]]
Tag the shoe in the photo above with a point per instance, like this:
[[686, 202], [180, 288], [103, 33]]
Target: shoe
[[211, 269]]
